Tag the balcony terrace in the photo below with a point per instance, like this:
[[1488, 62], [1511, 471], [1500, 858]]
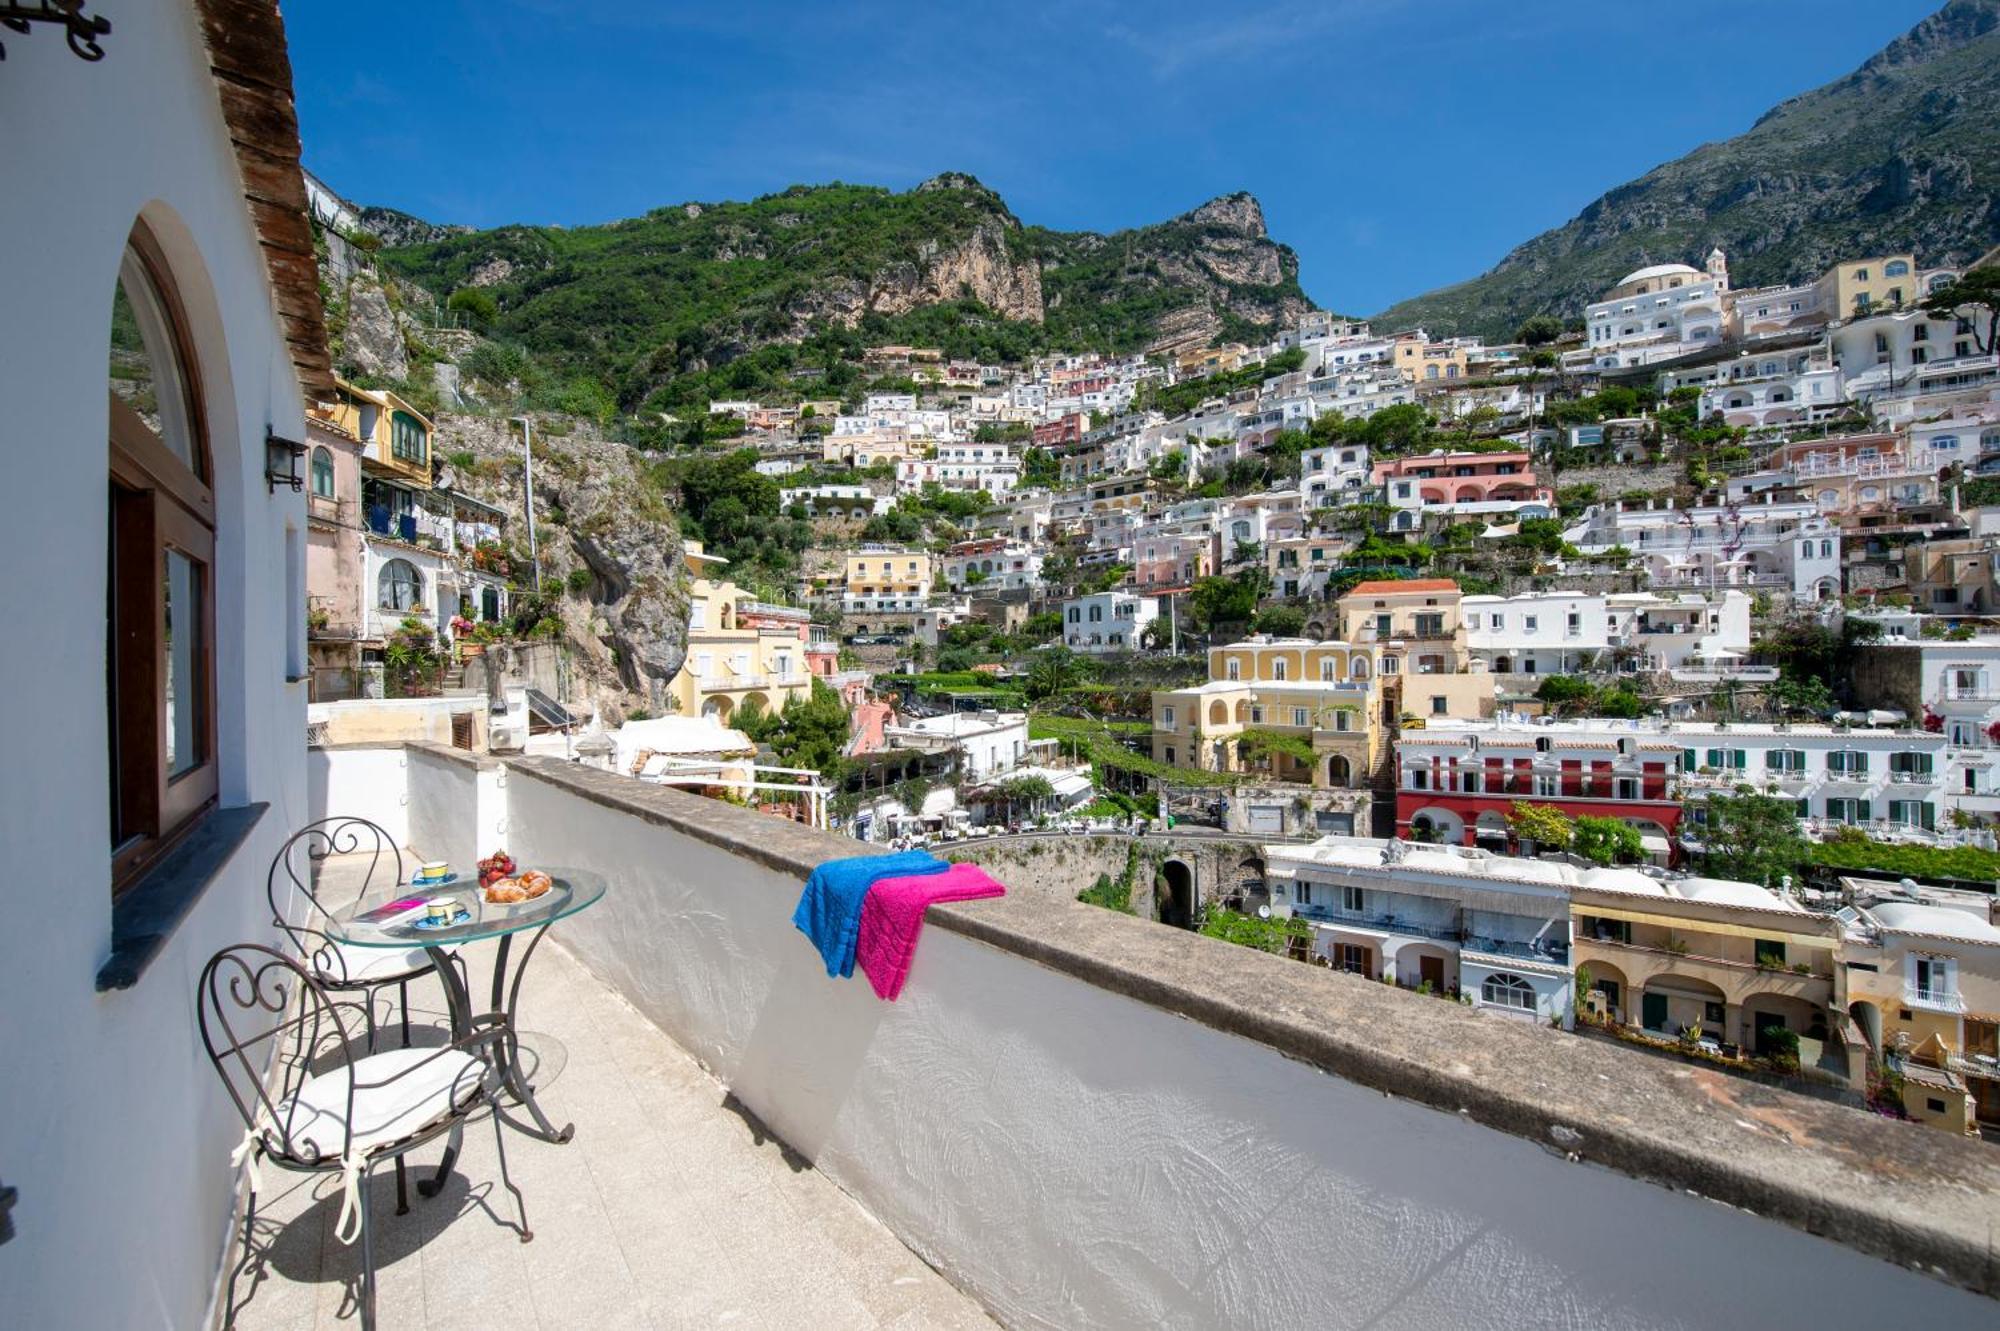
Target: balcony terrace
[[1081, 1119]]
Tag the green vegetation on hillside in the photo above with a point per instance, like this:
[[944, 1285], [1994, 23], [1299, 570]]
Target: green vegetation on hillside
[[778, 296]]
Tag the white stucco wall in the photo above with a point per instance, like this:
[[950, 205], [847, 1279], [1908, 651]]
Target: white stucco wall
[[1078, 1159], [112, 1124]]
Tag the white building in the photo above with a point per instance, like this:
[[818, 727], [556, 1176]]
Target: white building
[[1887, 781], [1107, 621], [1651, 633], [995, 564], [1333, 475], [1788, 547], [988, 744], [854, 501], [1494, 929], [1658, 313], [154, 774], [1536, 633]]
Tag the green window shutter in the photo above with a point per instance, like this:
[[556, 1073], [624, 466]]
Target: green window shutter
[[1738, 759], [1861, 814], [1774, 760], [1928, 813], [1688, 760], [1805, 807], [1715, 757]]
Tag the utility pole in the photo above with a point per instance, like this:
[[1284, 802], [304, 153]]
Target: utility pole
[[528, 473]]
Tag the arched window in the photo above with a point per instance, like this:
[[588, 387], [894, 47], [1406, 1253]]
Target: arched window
[[322, 472], [1361, 667], [400, 586], [160, 605], [1503, 990], [1895, 268]]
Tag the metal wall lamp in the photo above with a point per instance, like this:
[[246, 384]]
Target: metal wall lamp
[[281, 462]]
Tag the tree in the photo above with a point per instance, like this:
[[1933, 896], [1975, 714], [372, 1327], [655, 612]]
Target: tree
[[1040, 470], [1755, 838], [1538, 330], [1808, 696], [1054, 670], [1227, 600], [1281, 621], [1606, 840], [1544, 824], [476, 304], [1568, 695], [1975, 298], [1033, 791]]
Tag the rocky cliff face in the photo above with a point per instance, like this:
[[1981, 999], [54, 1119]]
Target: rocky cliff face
[[1215, 270], [1902, 155], [688, 288], [609, 544]]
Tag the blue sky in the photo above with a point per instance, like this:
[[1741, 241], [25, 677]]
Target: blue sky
[[1397, 144]]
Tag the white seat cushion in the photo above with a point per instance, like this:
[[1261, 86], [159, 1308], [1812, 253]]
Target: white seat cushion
[[369, 963], [435, 1082]]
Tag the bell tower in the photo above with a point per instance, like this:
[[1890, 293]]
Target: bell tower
[[1717, 265]]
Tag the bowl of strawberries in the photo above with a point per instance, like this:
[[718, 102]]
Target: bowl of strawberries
[[506, 884]]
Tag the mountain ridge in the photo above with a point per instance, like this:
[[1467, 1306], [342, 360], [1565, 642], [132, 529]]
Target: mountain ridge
[[685, 289], [1901, 154]]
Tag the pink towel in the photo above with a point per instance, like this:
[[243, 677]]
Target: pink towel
[[893, 915]]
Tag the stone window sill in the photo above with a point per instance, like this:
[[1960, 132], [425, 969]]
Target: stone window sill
[[146, 915]]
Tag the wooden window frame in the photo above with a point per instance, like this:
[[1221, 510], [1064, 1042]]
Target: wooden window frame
[[157, 504]]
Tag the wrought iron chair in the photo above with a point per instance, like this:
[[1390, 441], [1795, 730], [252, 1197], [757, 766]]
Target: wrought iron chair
[[310, 1105], [366, 971]]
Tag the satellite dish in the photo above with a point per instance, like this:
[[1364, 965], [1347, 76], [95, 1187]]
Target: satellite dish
[[1263, 912]]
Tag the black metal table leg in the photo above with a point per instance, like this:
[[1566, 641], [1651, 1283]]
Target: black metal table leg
[[510, 1070], [459, 1004]]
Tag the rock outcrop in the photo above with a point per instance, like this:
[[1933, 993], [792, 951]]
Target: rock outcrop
[[371, 341], [625, 614]]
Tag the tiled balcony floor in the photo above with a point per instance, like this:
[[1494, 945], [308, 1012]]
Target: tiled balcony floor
[[668, 1209]]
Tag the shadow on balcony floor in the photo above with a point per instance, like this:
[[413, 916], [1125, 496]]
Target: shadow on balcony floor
[[672, 1207]]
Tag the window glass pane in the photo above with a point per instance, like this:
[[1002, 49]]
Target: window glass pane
[[145, 370], [184, 695]]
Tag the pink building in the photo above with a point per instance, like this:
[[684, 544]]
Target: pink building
[[1459, 478]]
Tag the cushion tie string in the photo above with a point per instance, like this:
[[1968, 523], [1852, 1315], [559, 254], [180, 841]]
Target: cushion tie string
[[245, 1157], [351, 1168]]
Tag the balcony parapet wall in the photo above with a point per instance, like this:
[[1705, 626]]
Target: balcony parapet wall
[[1059, 1137]]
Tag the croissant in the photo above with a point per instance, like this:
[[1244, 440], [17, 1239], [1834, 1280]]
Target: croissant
[[506, 892]]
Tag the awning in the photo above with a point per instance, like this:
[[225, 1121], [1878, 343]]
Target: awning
[[1657, 845]]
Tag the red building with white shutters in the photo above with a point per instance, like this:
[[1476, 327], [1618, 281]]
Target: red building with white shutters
[[1457, 781], [1062, 430]]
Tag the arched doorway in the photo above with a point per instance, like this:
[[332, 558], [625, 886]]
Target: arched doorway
[[1339, 771], [1869, 1018], [1174, 896], [1490, 829], [1604, 991], [1437, 826], [1250, 877], [717, 709], [1672, 1004]]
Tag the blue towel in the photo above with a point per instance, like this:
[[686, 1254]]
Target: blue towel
[[829, 910]]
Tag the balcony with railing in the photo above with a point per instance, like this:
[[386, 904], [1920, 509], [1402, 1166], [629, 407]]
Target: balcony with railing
[[1933, 999], [757, 1144]]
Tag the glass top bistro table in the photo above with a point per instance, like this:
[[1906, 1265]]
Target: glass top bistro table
[[364, 924]]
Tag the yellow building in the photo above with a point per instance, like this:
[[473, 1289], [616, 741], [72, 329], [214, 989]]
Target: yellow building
[[1423, 361], [881, 578], [1923, 986], [1417, 632], [395, 436], [738, 651], [1293, 689], [1735, 960], [1861, 285]]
